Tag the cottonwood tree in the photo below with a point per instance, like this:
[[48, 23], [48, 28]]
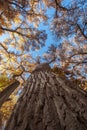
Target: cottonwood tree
[[50, 104]]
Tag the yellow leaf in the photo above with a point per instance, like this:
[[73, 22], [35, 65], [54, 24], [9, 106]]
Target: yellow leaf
[[17, 20], [1, 31]]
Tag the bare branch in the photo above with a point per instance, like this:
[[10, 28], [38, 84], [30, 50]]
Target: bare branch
[[15, 31], [79, 53], [82, 32]]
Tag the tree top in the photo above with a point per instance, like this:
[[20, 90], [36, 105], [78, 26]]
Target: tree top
[[42, 67]]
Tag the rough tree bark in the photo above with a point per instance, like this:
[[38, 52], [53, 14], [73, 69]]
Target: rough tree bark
[[4, 95], [47, 103]]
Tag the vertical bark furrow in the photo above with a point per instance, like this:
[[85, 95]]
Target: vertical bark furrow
[[48, 104]]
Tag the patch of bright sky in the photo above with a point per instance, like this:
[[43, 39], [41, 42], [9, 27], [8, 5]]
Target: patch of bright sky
[[70, 3], [3, 37], [67, 3], [50, 38]]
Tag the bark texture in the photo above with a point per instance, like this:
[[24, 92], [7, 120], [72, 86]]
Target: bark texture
[[4, 95], [47, 103]]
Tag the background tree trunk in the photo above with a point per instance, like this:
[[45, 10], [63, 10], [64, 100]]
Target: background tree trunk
[[4, 95], [46, 103]]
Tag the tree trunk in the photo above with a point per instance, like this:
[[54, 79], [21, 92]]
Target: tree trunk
[[4, 95], [47, 103]]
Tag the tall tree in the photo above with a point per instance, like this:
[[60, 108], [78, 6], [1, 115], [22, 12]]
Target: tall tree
[[47, 103], [19, 21]]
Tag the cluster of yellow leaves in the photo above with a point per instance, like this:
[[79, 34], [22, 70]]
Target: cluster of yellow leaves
[[1, 31], [59, 72], [4, 82], [84, 86], [17, 19]]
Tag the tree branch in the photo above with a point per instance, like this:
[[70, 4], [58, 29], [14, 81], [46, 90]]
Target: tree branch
[[58, 4], [15, 31], [4, 48], [79, 53], [81, 31]]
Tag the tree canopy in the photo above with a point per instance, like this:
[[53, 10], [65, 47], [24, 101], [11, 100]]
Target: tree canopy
[[20, 33]]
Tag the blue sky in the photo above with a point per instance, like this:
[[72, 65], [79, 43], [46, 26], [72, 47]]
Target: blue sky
[[51, 39]]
